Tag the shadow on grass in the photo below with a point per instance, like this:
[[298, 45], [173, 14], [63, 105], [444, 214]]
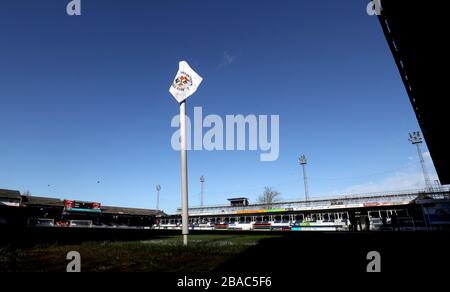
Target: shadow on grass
[[343, 253]]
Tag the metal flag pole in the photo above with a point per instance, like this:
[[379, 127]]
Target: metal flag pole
[[158, 188], [202, 180], [184, 178]]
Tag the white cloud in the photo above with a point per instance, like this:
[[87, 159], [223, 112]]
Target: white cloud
[[396, 182], [228, 59], [407, 179]]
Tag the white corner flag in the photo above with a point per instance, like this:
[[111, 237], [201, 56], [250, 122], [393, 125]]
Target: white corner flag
[[185, 83]]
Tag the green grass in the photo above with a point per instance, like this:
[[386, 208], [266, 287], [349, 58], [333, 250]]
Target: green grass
[[204, 253]]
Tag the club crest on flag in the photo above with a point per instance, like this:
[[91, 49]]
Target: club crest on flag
[[185, 83]]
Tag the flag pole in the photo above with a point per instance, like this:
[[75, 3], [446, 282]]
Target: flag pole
[[184, 85], [184, 178]]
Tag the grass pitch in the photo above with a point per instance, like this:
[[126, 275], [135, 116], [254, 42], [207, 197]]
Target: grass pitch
[[204, 253]]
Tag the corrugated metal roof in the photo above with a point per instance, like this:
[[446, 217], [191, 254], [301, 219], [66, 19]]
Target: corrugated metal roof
[[130, 211], [10, 194], [54, 202], [42, 201], [416, 33]]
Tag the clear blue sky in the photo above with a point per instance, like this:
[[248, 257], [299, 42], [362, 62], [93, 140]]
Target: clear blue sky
[[85, 99]]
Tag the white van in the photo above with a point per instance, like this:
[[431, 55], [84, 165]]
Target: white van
[[80, 223]]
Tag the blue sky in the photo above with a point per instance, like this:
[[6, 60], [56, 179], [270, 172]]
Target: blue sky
[[85, 99]]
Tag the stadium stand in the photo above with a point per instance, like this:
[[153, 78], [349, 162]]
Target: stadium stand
[[18, 210]]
